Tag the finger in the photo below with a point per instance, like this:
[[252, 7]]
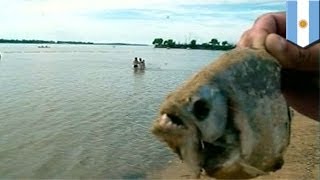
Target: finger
[[260, 37], [264, 25], [244, 39], [291, 56], [272, 23], [253, 38]]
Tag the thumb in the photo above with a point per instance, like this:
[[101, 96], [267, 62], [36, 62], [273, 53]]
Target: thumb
[[291, 56]]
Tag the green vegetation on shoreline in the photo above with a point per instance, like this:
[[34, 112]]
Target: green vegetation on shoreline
[[33, 41], [24, 41], [214, 44]]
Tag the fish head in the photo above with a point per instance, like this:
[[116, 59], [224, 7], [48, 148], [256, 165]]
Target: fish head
[[185, 122]]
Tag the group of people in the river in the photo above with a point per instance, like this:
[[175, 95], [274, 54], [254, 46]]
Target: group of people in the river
[[139, 64]]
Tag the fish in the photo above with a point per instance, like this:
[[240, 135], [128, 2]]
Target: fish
[[230, 119]]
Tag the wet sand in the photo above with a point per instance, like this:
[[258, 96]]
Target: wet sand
[[302, 159]]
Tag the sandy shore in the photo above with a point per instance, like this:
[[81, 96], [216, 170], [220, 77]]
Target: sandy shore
[[302, 159]]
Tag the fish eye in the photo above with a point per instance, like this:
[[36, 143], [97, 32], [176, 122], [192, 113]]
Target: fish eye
[[201, 109]]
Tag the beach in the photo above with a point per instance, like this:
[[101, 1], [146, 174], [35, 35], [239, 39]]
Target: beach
[[301, 159]]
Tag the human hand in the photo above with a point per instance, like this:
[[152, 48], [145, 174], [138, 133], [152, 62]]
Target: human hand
[[300, 67]]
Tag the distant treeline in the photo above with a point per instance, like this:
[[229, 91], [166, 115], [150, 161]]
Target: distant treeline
[[41, 41], [214, 44]]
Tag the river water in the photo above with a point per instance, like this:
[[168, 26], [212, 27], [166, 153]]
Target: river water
[[80, 111]]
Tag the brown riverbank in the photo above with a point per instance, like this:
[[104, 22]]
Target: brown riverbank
[[302, 159]]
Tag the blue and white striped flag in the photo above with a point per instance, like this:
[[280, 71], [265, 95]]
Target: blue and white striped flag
[[303, 18]]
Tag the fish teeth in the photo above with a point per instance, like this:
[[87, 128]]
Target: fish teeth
[[162, 122], [166, 122], [202, 144], [174, 126]]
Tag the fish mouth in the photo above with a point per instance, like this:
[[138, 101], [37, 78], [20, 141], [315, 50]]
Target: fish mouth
[[170, 121]]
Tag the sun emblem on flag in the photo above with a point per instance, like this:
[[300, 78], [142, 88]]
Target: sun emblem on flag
[[303, 23]]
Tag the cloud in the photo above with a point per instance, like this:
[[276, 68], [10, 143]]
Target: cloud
[[135, 21]]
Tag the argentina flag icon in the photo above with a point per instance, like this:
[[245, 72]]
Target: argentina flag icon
[[302, 25]]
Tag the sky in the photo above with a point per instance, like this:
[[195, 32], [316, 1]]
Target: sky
[[131, 21]]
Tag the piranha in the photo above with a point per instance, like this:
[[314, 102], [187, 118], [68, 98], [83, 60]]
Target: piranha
[[230, 120]]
